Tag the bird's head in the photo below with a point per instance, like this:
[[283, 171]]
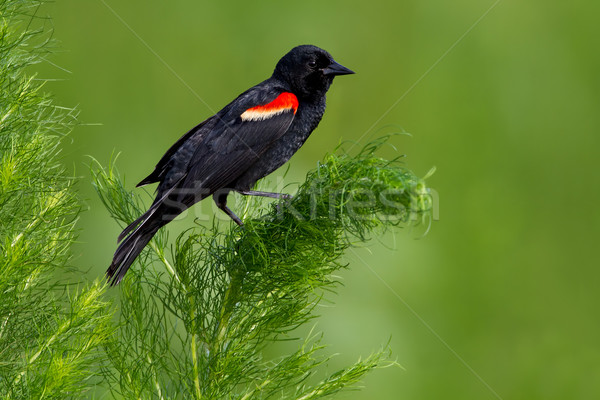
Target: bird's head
[[308, 70]]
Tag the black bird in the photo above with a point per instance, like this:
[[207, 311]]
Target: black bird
[[248, 139]]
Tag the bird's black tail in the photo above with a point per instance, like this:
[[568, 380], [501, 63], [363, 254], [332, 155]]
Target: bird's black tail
[[131, 246]]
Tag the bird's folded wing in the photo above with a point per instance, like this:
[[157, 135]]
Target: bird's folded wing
[[238, 140], [196, 135]]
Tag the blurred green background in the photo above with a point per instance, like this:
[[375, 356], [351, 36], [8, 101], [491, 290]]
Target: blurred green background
[[507, 277]]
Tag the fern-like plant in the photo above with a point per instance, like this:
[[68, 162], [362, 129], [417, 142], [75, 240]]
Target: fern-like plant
[[195, 319], [51, 336]]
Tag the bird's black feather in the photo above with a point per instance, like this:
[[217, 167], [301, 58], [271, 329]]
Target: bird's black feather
[[162, 166], [245, 141]]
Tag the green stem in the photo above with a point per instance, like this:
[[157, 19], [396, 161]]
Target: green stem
[[154, 379], [194, 349], [222, 325], [193, 345], [164, 260]]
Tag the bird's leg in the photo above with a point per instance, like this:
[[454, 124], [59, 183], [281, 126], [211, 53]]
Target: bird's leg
[[220, 199], [265, 194]]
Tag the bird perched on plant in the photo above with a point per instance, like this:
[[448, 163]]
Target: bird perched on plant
[[248, 139]]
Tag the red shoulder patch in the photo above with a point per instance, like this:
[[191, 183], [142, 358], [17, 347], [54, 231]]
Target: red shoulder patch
[[285, 101]]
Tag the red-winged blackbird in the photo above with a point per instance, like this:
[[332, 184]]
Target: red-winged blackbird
[[248, 139]]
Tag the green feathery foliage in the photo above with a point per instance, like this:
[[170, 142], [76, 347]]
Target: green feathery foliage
[[50, 336], [196, 326]]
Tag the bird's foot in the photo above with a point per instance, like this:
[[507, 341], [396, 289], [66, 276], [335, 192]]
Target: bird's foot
[[265, 194]]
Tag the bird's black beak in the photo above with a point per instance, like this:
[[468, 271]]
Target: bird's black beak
[[336, 69]]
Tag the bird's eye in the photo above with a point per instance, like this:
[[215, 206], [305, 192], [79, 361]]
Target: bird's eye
[[312, 64]]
